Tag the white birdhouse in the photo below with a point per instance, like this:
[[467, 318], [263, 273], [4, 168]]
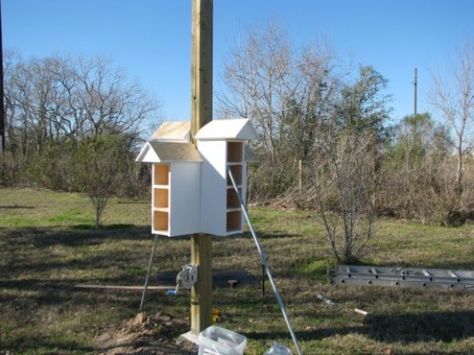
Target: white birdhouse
[[191, 190]]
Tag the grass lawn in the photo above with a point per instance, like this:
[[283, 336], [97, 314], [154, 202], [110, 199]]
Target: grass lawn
[[47, 245]]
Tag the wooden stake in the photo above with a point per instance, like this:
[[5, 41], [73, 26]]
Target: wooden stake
[[201, 113]]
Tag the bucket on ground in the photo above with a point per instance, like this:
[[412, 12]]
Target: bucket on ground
[[220, 341]]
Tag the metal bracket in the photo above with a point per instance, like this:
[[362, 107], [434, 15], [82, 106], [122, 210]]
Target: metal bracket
[[187, 277]]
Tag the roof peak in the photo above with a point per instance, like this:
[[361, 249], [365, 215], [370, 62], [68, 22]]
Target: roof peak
[[173, 131], [236, 128]]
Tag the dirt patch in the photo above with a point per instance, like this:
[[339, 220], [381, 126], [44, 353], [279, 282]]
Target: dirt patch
[[145, 334]]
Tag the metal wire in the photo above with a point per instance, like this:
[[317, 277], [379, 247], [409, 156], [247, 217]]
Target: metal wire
[[142, 302], [264, 258]]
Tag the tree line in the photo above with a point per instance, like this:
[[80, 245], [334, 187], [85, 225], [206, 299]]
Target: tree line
[[305, 107], [65, 114], [56, 105], [337, 124]]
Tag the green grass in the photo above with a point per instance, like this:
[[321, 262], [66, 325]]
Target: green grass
[[48, 244]]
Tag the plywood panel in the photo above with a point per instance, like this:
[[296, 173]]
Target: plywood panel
[[234, 221], [161, 198], [160, 221], [234, 152], [232, 198], [161, 174]]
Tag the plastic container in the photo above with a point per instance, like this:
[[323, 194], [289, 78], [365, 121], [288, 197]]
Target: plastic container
[[278, 349], [220, 341]]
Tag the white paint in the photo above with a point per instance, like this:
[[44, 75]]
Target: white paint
[[197, 190], [233, 129], [153, 209], [213, 187], [184, 198], [147, 155]]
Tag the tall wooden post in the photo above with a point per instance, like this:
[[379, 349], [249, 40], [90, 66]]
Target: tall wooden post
[[201, 113]]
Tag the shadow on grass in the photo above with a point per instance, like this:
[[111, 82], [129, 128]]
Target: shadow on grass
[[278, 235], [404, 328], [103, 228], [81, 234], [40, 343], [437, 326], [16, 207]]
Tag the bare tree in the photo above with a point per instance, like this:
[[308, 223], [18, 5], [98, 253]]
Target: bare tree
[[287, 92], [343, 189], [68, 97], [348, 165], [59, 101], [99, 169], [453, 97]]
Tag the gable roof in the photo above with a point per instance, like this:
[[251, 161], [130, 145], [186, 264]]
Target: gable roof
[[240, 129], [168, 152], [173, 131]]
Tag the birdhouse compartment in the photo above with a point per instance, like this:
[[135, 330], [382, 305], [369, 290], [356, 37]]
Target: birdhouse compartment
[[161, 174], [171, 191]]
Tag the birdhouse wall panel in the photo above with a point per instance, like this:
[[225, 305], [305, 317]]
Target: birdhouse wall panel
[[185, 189], [213, 187]]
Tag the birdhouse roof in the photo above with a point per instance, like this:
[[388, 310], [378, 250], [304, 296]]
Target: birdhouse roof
[[231, 129], [168, 152], [173, 131]]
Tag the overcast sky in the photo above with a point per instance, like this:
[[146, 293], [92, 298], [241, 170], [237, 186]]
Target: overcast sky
[[151, 39]]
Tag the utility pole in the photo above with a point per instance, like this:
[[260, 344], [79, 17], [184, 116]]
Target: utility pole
[[415, 93], [201, 113], [2, 107]]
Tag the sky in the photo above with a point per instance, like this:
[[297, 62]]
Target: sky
[[151, 39]]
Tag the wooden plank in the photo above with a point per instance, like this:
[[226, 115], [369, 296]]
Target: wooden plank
[[201, 70], [201, 113]]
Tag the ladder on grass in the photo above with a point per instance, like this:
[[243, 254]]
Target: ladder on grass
[[404, 277]]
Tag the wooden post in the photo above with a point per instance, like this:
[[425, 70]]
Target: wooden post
[[201, 113], [201, 293], [201, 70]]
